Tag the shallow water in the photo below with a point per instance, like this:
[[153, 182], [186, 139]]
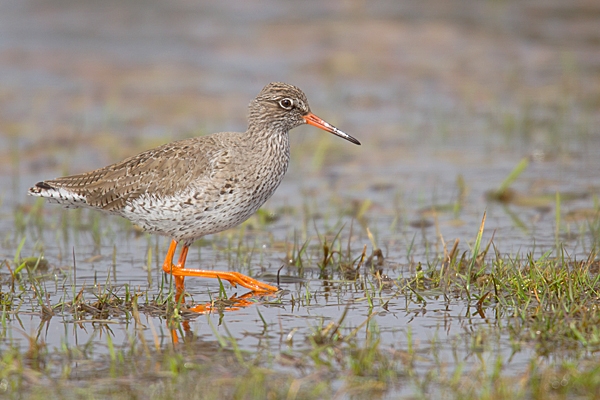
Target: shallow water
[[437, 95]]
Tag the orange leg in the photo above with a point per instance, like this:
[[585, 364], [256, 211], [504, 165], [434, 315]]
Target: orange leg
[[179, 273], [169, 267]]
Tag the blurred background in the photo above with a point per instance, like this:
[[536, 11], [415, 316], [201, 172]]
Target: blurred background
[[446, 96]]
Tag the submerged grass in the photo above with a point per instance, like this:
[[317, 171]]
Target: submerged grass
[[546, 307], [529, 323]]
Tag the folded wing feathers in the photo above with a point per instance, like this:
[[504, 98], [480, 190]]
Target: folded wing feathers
[[162, 171]]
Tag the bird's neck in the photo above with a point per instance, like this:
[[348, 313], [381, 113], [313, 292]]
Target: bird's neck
[[270, 150], [270, 141]]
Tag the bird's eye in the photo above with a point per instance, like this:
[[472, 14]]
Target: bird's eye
[[286, 104]]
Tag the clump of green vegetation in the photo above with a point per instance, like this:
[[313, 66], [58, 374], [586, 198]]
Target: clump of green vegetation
[[528, 323]]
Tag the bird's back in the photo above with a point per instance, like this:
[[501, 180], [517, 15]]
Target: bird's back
[[162, 171]]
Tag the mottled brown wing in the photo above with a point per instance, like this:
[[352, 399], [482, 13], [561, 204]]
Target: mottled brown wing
[[162, 171]]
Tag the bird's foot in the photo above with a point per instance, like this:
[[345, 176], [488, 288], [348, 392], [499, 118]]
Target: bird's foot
[[234, 278]]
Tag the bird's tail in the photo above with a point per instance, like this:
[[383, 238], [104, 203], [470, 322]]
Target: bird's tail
[[57, 194]]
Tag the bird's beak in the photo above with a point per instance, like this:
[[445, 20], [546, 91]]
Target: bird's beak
[[312, 119]]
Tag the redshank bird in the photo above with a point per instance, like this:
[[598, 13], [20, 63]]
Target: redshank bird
[[194, 187]]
